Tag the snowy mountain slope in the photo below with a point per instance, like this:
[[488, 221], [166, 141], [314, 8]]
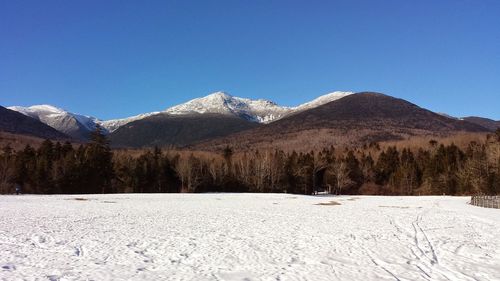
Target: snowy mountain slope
[[74, 125], [260, 111], [112, 125], [322, 100], [19, 124]]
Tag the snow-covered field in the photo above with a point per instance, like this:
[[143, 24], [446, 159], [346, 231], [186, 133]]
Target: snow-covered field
[[246, 237]]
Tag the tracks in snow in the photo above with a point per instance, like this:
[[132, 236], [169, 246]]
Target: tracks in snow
[[424, 250], [246, 236], [422, 242]]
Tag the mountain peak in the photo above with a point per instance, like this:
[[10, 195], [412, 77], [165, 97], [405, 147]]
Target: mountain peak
[[220, 94], [74, 125], [47, 107], [19, 123], [36, 109], [262, 111], [258, 110]]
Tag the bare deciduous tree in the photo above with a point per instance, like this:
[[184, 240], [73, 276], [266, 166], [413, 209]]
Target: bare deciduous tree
[[341, 172]]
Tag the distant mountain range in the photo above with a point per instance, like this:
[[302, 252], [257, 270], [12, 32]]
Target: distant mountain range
[[355, 119], [261, 111], [219, 118], [71, 124], [14, 122]]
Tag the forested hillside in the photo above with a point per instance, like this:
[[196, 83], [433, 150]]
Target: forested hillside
[[94, 168], [353, 120]]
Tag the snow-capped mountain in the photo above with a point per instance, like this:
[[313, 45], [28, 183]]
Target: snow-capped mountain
[[260, 110], [71, 124]]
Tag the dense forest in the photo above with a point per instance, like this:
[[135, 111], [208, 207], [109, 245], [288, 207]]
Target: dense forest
[[438, 169]]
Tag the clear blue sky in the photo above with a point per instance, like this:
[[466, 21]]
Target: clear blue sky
[[119, 58]]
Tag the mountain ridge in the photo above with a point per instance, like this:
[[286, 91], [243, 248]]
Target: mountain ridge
[[178, 130], [17, 123], [74, 125], [255, 110], [356, 119], [485, 122], [258, 111]]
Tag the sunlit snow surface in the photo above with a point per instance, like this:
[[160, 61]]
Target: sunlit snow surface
[[246, 237]]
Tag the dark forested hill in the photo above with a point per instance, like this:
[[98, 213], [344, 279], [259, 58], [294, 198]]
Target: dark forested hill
[[179, 130], [485, 122], [17, 123], [358, 118]]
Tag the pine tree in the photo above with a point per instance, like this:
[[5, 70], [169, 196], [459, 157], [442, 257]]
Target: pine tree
[[387, 164], [291, 173], [6, 169], [25, 163], [98, 162], [65, 171], [44, 164], [355, 173]]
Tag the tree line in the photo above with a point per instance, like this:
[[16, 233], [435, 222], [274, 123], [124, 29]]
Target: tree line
[[55, 168]]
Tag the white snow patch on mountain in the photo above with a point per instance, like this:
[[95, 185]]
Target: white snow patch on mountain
[[112, 125], [262, 111], [322, 100], [68, 122]]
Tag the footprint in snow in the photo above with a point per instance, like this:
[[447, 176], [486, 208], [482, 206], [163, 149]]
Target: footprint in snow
[[53, 277], [79, 251], [8, 267]]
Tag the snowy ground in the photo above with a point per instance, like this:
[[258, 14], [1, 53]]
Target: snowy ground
[[246, 237]]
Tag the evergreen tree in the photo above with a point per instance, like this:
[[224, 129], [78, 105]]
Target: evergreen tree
[[6, 169], [355, 173], [44, 165], [387, 164], [98, 162], [25, 164], [291, 179]]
